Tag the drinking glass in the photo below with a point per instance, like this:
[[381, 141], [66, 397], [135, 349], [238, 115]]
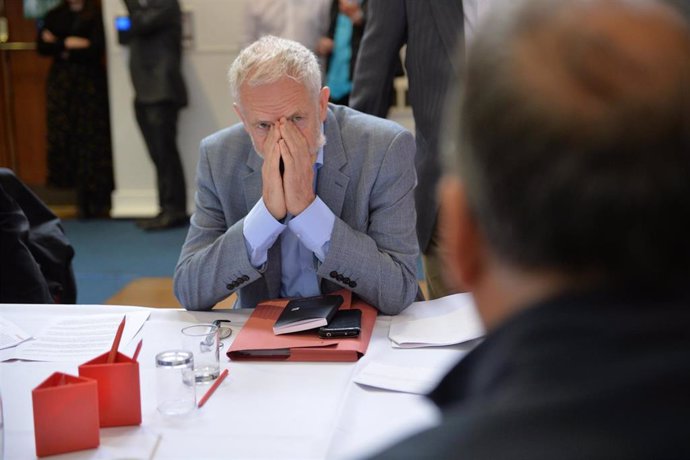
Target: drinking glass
[[203, 341]]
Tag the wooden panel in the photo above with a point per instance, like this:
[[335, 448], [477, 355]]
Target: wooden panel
[[5, 160], [155, 292], [29, 73], [23, 100], [20, 28]]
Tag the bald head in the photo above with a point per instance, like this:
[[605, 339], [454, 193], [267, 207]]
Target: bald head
[[574, 137]]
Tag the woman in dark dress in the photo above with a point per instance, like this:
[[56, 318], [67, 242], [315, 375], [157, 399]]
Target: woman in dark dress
[[79, 149]]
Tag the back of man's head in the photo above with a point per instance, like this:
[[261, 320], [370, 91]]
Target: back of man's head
[[574, 138]]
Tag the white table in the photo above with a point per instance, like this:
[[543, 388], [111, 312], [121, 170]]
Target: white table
[[262, 410]]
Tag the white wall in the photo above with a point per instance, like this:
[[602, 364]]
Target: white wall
[[217, 28]]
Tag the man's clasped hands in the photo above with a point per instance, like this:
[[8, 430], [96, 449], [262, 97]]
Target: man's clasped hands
[[291, 191]]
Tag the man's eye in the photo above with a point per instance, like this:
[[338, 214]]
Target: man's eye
[[296, 119], [264, 126]]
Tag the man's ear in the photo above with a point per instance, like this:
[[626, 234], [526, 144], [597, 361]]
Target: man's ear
[[324, 94], [461, 244]]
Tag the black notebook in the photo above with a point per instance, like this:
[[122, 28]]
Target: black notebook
[[307, 313]]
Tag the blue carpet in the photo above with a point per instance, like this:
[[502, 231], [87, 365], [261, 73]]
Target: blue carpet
[[111, 253]]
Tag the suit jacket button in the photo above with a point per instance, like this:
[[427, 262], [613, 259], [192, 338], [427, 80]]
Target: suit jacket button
[[346, 280], [340, 277], [353, 284], [245, 278], [334, 274], [230, 286]]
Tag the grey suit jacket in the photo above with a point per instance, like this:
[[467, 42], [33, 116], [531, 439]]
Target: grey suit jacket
[[432, 30], [155, 52], [367, 180]]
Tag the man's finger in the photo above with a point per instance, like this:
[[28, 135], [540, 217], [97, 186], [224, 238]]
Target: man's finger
[[296, 142]]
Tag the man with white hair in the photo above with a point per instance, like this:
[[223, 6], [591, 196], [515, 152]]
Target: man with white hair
[[302, 197]]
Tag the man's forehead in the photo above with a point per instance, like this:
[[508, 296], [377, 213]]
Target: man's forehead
[[275, 100]]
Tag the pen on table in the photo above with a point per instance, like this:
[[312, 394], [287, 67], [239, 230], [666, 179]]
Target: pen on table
[[136, 352], [116, 342], [215, 385]]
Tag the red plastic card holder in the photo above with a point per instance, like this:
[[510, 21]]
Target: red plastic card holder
[[119, 395], [65, 414]]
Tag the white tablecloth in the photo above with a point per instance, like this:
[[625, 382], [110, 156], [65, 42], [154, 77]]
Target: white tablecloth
[[262, 410]]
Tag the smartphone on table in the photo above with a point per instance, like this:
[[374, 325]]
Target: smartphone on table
[[345, 323]]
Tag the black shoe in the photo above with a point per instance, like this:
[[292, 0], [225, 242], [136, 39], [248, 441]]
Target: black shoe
[[163, 221]]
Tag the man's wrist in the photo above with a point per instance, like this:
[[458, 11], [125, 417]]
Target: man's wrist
[[305, 204]]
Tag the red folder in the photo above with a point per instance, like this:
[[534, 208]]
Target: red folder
[[256, 340]]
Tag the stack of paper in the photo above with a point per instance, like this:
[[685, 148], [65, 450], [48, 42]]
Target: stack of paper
[[79, 338], [445, 321], [11, 335], [403, 378]]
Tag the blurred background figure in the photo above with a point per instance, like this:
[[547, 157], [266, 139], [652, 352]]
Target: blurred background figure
[[304, 21], [431, 30], [78, 119], [341, 45], [155, 55]]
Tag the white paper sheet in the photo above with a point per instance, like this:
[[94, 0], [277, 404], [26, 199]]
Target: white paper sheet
[[445, 321], [80, 338], [406, 379], [11, 335]]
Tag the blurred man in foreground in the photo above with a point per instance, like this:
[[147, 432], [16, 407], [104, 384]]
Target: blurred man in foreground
[[567, 220]]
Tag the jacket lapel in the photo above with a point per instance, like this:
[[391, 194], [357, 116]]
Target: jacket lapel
[[332, 182], [252, 181]]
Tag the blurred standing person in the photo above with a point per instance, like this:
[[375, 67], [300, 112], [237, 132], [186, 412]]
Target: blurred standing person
[[77, 112], [304, 21], [341, 46], [432, 30], [155, 55]]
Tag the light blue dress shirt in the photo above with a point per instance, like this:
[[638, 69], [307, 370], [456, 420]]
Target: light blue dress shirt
[[304, 239]]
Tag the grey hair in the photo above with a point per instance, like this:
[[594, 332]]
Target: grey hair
[[269, 59], [573, 139]]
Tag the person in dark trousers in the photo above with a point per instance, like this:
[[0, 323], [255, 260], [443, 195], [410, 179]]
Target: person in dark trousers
[[432, 30], [566, 217], [77, 115], [155, 66]]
